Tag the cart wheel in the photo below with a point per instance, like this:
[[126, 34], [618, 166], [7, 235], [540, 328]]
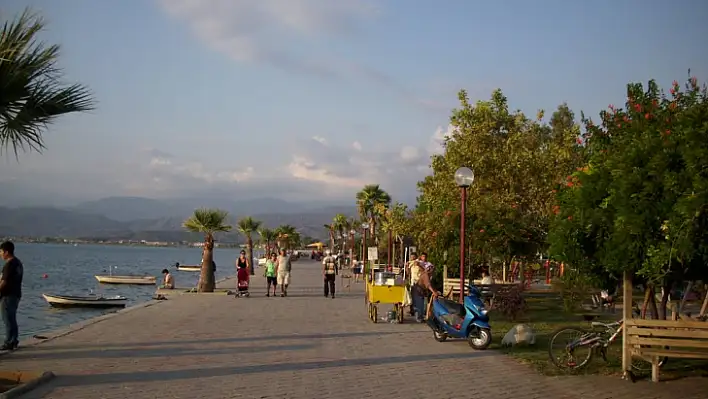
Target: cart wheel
[[374, 313], [368, 310], [399, 313]]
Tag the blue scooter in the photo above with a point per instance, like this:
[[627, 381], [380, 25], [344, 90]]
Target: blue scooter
[[468, 320]]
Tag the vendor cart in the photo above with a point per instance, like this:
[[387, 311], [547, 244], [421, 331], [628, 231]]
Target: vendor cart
[[387, 288]]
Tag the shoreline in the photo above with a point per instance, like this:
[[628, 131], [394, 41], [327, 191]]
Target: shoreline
[[80, 325]]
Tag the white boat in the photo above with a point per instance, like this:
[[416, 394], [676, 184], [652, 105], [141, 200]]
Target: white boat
[[137, 280], [91, 301], [189, 268], [128, 279]]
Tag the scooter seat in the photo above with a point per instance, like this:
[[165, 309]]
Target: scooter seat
[[452, 306]]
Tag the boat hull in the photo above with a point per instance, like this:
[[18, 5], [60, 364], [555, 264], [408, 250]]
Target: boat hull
[[189, 268], [136, 280], [77, 302]]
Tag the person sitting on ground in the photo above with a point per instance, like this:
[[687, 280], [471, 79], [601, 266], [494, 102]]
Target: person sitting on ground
[[168, 282]]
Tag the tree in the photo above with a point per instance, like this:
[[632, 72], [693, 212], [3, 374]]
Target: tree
[[330, 230], [340, 224], [368, 201], [208, 222], [640, 203], [268, 237], [287, 236], [517, 162], [396, 220], [31, 94], [247, 226]]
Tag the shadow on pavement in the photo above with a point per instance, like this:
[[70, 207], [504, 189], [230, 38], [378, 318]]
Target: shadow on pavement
[[206, 341], [166, 352], [153, 376]]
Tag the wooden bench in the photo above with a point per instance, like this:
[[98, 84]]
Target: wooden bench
[[652, 340]]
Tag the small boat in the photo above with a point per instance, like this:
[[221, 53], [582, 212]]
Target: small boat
[[90, 301], [189, 268], [114, 279], [137, 280]]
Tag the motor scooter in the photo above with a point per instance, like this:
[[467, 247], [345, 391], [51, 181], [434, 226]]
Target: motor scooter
[[467, 320]]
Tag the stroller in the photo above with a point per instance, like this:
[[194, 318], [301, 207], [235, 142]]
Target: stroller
[[243, 279]]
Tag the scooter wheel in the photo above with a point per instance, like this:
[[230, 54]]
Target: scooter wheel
[[439, 336], [480, 339]]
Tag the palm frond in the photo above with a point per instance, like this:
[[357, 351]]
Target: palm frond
[[31, 93], [208, 221]]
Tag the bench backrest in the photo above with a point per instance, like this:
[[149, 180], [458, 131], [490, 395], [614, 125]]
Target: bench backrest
[[660, 333]]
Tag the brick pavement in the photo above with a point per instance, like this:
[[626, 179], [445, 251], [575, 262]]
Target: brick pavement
[[301, 347]]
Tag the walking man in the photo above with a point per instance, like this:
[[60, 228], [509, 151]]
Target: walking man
[[10, 294], [284, 267], [329, 272]]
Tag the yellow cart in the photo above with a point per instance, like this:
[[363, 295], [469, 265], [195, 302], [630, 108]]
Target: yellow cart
[[387, 289]]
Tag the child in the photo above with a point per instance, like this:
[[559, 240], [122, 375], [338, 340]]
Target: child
[[270, 273]]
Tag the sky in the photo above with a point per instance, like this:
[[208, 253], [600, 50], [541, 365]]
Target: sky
[[305, 99]]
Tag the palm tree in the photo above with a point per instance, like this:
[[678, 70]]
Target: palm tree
[[208, 222], [340, 225], [268, 237], [330, 230], [247, 226], [287, 236], [368, 201], [31, 94]]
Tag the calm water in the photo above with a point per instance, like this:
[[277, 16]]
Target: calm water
[[70, 270]]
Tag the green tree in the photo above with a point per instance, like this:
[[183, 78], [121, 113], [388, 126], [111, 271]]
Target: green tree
[[330, 230], [340, 224], [31, 94], [639, 205], [368, 201], [208, 222], [247, 226], [517, 162], [268, 237]]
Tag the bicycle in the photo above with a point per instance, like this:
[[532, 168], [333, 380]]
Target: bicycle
[[594, 341]]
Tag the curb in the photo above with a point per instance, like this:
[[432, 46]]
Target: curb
[[78, 326], [28, 386]]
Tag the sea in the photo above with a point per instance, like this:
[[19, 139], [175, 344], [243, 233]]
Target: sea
[[65, 269]]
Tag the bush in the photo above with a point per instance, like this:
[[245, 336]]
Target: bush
[[573, 288], [510, 303]]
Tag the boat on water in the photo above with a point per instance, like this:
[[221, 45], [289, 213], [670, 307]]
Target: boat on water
[[127, 279], [89, 301], [189, 268]]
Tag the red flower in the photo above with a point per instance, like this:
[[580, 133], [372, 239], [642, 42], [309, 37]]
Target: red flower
[[555, 191], [694, 82], [668, 132], [435, 234], [579, 140], [654, 103], [647, 116], [672, 91], [626, 119], [619, 125], [481, 230], [514, 206], [611, 106], [448, 213], [675, 83], [570, 218], [638, 107]]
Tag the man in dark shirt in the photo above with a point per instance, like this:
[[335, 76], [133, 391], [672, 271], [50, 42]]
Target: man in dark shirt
[[10, 294]]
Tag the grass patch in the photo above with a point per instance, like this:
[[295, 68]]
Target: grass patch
[[546, 315]]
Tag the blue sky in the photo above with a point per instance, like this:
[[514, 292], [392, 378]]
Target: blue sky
[[314, 98]]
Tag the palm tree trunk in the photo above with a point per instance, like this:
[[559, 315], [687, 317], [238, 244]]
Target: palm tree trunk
[[249, 254], [206, 277]]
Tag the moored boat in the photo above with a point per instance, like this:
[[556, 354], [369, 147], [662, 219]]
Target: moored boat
[[189, 268], [137, 280], [90, 301]]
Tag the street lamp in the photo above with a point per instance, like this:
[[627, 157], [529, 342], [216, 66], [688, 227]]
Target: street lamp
[[364, 228], [352, 233], [464, 177]]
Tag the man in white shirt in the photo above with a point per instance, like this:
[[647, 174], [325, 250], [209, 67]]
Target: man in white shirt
[[329, 272]]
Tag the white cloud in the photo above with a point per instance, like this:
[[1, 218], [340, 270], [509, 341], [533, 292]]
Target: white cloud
[[410, 154], [320, 140], [436, 144], [356, 145]]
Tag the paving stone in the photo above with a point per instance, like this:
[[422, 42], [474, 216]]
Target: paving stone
[[303, 346]]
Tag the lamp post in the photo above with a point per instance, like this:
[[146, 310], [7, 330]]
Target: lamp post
[[352, 234], [464, 177], [364, 228]]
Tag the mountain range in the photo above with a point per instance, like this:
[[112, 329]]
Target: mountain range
[[137, 218]]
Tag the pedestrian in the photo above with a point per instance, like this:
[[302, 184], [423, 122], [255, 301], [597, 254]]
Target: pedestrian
[[284, 264], [168, 282], [411, 280], [271, 273], [329, 272], [10, 294], [241, 262]]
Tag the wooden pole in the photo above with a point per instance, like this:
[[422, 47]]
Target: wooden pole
[[626, 315]]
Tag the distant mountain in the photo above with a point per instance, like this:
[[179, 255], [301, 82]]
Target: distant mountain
[[88, 223], [125, 209]]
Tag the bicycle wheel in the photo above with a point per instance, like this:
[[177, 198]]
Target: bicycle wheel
[[567, 350]]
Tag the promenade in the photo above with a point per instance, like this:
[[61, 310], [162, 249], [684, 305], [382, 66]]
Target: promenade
[[304, 346]]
